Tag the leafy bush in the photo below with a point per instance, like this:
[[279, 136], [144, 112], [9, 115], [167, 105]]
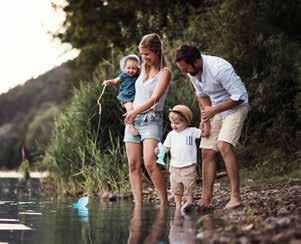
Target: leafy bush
[[40, 129]]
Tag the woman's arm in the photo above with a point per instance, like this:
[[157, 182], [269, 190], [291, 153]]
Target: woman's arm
[[159, 90]]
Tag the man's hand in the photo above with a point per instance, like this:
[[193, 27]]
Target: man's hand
[[207, 113]]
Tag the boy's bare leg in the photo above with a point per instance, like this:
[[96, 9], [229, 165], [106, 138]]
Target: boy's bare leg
[[128, 107], [189, 199], [178, 201]]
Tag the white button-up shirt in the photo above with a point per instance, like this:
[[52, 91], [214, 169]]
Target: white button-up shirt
[[219, 82]]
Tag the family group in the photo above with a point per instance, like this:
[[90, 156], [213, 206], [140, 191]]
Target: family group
[[223, 104]]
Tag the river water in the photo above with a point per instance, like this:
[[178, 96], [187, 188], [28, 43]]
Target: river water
[[27, 216]]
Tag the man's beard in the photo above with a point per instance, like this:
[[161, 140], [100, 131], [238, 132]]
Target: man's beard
[[195, 70]]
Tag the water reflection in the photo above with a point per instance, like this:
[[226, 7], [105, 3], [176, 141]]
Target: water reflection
[[209, 224], [182, 229], [81, 209], [58, 222], [135, 226], [154, 232], [83, 215]]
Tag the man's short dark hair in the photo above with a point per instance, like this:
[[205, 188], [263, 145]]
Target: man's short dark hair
[[187, 53]]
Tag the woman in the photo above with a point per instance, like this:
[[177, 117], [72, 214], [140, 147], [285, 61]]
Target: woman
[[151, 90]]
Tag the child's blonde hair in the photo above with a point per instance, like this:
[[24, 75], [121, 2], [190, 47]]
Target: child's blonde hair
[[175, 116], [154, 44]]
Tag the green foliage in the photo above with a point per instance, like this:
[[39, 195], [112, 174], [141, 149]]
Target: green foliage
[[86, 153], [96, 29], [246, 34], [21, 106], [255, 36], [40, 128], [268, 164], [10, 144], [260, 38]]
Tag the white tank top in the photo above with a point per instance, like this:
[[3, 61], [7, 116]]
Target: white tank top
[[144, 90]]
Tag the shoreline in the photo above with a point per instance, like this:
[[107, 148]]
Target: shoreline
[[16, 174]]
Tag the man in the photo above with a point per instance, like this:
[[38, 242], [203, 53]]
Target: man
[[223, 102]]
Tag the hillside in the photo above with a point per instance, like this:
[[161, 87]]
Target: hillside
[[25, 108]]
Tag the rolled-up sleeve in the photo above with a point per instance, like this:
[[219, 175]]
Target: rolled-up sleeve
[[232, 83]]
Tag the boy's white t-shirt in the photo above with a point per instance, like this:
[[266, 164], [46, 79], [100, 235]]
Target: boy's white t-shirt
[[183, 149]]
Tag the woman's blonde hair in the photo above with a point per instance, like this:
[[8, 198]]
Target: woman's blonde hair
[[154, 44]]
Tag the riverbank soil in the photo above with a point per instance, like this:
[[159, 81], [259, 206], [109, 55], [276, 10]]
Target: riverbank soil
[[271, 213]]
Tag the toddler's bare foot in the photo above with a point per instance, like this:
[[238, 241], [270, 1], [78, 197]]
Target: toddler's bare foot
[[133, 130]]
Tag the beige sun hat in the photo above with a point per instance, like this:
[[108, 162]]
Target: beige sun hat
[[125, 58], [183, 110]]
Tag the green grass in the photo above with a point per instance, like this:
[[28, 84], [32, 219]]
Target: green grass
[[266, 175]]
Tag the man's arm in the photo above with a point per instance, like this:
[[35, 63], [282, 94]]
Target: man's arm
[[234, 86], [204, 102], [208, 112]]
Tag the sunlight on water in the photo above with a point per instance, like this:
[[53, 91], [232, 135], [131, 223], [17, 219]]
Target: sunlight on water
[[32, 218], [14, 227]]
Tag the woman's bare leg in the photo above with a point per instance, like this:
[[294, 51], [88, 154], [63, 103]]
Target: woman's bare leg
[[134, 155], [152, 169]]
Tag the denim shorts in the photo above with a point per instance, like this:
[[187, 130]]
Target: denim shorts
[[149, 126]]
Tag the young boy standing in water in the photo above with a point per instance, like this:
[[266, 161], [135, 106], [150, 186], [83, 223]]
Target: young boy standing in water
[[180, 142]]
